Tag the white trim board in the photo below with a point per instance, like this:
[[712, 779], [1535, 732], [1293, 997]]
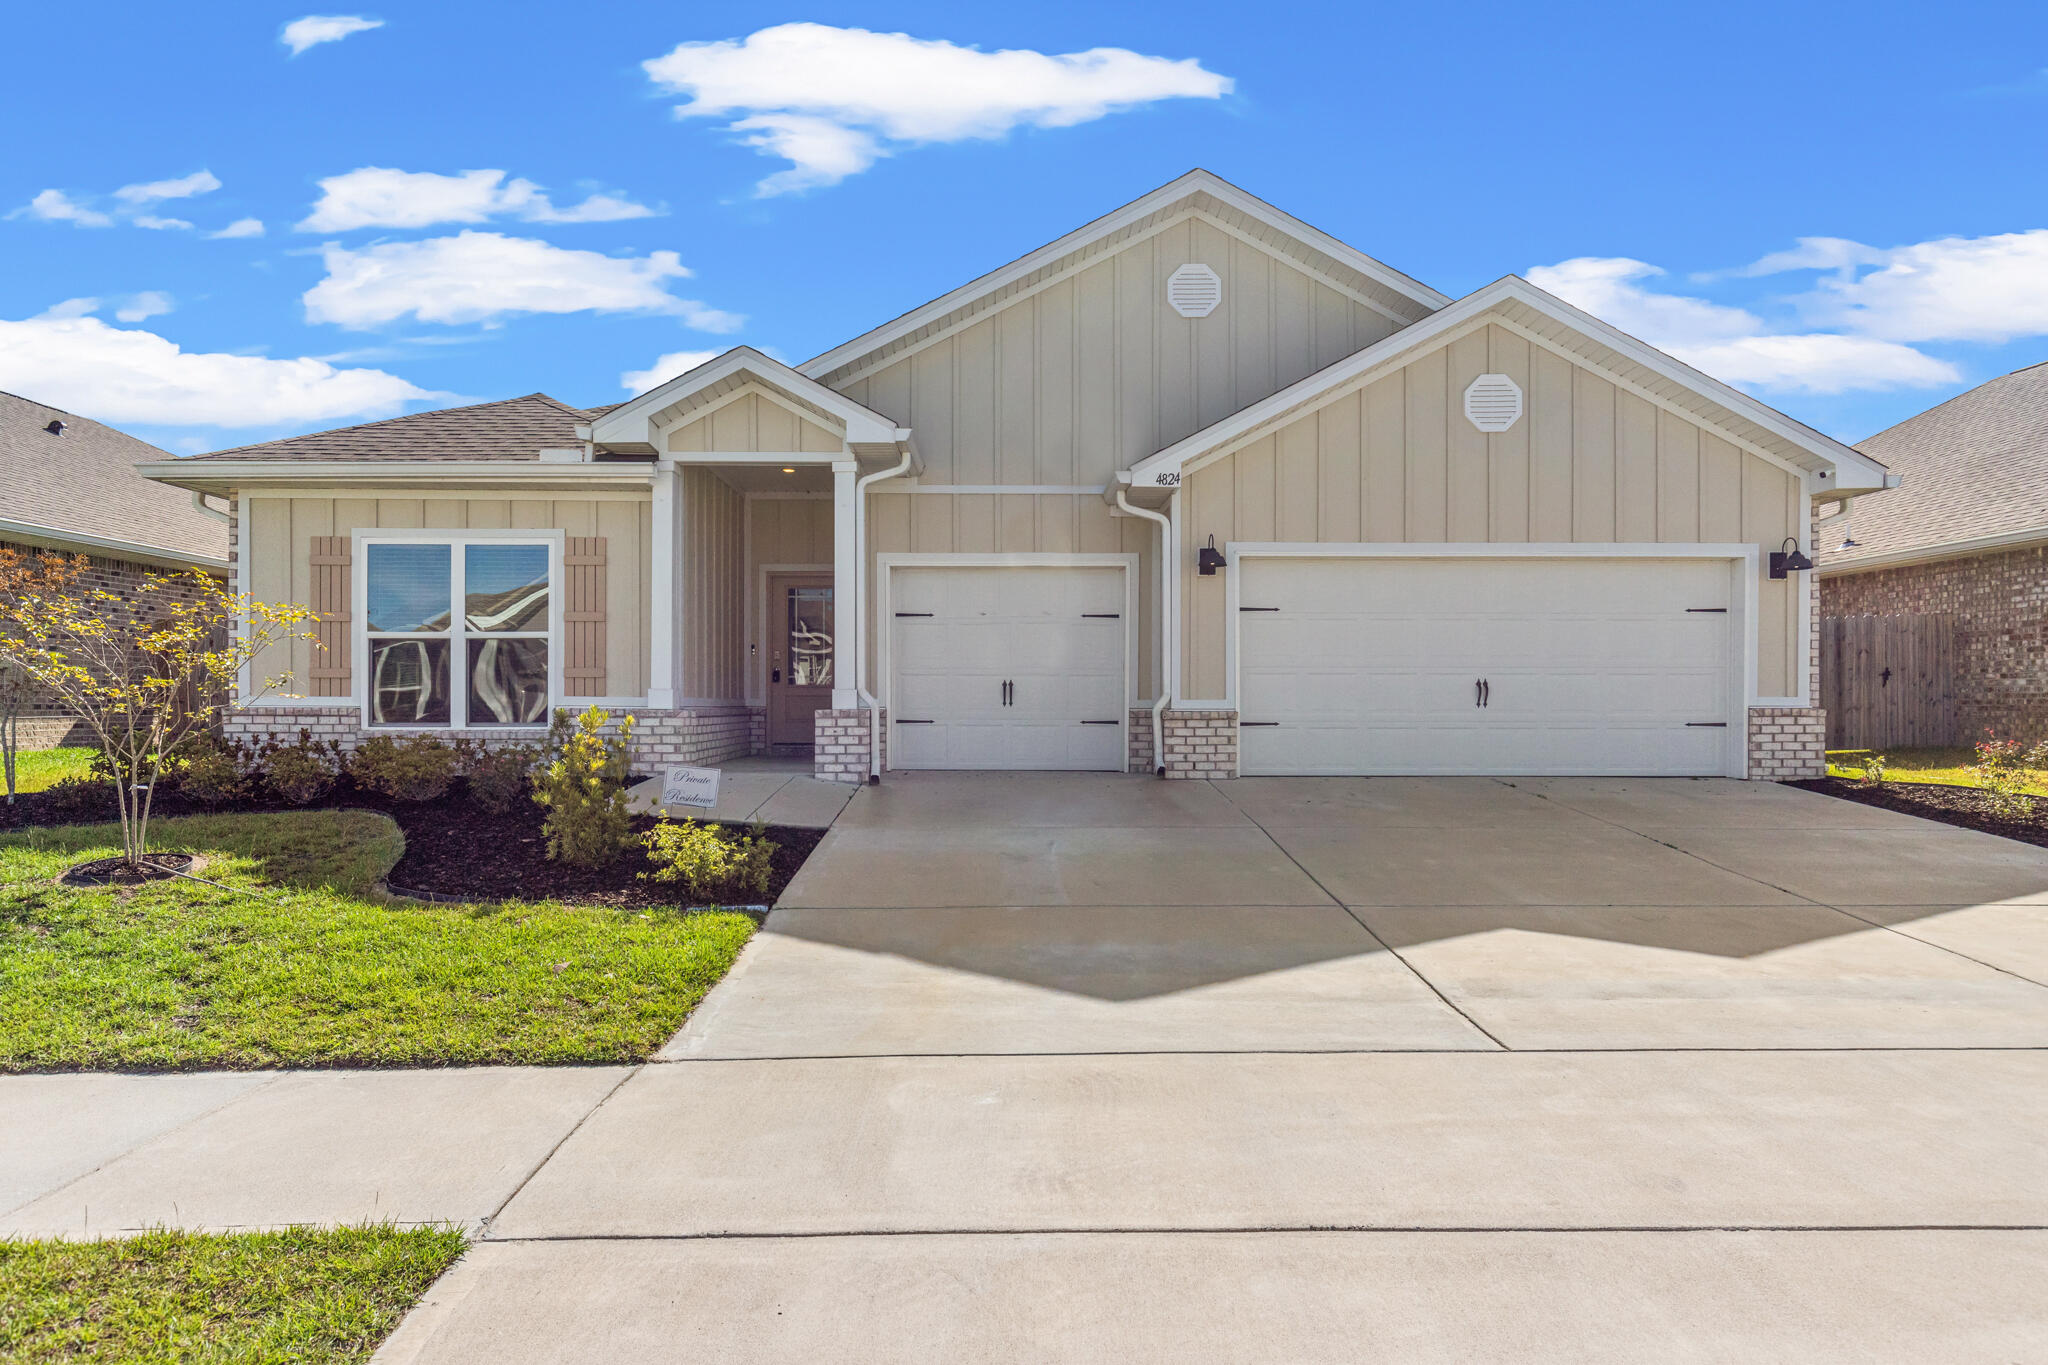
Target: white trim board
[[887, 564], [1743, 560]]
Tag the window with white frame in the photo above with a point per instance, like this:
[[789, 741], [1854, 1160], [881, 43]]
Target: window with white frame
[[433, 666]]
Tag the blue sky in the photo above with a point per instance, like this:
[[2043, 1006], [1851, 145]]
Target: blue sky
[[1839, 207]]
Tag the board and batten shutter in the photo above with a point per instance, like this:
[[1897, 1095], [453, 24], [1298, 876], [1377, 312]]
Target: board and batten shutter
[[328, 675], [583, 644]]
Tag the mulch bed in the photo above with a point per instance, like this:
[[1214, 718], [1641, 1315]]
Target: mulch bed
[[1962, 806], [453, 847]]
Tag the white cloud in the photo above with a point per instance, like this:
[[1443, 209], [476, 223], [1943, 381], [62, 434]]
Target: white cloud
[[1988, 289], [119, 375], [665, 368], [149, 303], [184, 187], [1733, 344], [482, 276], [832, 100], [315, 29], [241, 227], [377, 196], [55, 206], [150, 220]]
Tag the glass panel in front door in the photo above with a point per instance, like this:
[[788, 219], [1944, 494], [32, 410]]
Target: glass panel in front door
[[810, 637]]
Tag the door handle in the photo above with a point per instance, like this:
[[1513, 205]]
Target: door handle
[[1478, 693], [1486, 691]]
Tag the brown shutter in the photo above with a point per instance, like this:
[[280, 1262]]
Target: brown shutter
[[583, 565], [328, 675]]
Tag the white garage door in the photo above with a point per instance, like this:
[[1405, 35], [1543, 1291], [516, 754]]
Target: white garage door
[[1007, 668], [1597, 666]]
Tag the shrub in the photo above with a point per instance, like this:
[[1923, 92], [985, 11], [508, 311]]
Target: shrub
[[582, 785], [302, 772], [705, 859], [1873, 770], [2004, 771], [416, 768], [79, 800], [215, 772], [499, 777]]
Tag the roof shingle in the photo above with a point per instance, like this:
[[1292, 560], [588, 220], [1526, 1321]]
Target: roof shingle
[[1973, 467], [509, 429], [84, 483]]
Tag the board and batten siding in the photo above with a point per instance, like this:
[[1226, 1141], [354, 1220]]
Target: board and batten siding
[[279, 532], [714, 587], [1397, 462], [1094, 371], [784, 530], [1013, 523], [750, 422]]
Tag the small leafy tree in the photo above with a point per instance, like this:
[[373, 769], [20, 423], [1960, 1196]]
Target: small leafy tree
[[145, 669], [24, 574], [582, 785]]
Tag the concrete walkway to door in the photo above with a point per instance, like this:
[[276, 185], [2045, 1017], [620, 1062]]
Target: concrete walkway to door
[[1102, 1068]]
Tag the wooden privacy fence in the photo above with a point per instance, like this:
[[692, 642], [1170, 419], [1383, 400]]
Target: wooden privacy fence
[[1888, 682]]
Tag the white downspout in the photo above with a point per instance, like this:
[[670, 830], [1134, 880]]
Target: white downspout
[[860, 611], [1169, 628], [199, 501]]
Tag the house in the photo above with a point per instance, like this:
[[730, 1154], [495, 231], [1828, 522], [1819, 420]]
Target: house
[[1964, 536], [69, 484], [1196, 487]]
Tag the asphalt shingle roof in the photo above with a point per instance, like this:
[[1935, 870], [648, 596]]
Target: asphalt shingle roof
[[84, 483], [510, 429], [1975, 466]]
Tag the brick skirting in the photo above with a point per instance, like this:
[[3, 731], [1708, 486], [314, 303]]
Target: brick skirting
[[840, 751], [701, 736], [1199, 744], [1787, 743]]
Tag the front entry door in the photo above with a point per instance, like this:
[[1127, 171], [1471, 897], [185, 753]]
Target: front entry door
[[799, 655]]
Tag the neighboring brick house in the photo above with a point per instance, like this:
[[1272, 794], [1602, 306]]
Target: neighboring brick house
[[69, 484], [1964, 535]]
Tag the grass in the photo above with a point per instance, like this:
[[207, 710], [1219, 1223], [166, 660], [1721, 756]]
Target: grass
[[313, 969], [37, 769], [301, 1296], [1947, 767]]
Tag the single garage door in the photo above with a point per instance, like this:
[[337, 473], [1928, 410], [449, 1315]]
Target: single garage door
[[1617, 666], [1007, 668]]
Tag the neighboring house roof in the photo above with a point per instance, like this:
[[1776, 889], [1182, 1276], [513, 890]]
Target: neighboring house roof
[[510, 429], [1974, 477], [1541, 315], [80, 491], [1399, 296]]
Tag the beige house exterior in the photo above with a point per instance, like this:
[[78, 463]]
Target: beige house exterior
[[1196, 489]]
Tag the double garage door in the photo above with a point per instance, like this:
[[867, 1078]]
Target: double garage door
[[1609, 666], [1012, 667]]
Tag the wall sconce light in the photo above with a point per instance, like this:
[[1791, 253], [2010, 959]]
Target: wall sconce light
[[1787, 559], [1211, 559]]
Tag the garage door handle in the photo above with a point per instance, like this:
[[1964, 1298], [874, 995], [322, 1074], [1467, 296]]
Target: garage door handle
[[913, 613], [1101, 722], [1486, 691], [1706, 725]]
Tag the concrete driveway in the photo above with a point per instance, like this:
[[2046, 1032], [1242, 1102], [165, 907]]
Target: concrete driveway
[[1097, 1068]]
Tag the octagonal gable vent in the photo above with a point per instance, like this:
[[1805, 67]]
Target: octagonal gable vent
[[1194, 291], [1493, 402]]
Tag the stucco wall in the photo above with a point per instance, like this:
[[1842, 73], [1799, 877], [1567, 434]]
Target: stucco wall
[[2000, 602], [1396, 461]]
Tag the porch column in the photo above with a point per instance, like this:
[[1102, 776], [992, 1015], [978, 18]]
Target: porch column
[[666, 567], [846, 603]]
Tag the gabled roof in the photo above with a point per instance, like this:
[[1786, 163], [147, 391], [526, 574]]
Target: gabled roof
[[80, 491], [636, 424], [1400, 296], [510, 429], [1578, 333], [1974, 474]]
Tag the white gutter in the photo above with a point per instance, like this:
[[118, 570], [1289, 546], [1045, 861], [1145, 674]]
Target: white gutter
[[76, 542], [1929, 554], [860, 609], [235, 473], [1169, 586]]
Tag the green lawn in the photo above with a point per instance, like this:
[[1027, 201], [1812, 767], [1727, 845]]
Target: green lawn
[[302, 965], [1949, 767], [295, 1296], [35, 769]]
